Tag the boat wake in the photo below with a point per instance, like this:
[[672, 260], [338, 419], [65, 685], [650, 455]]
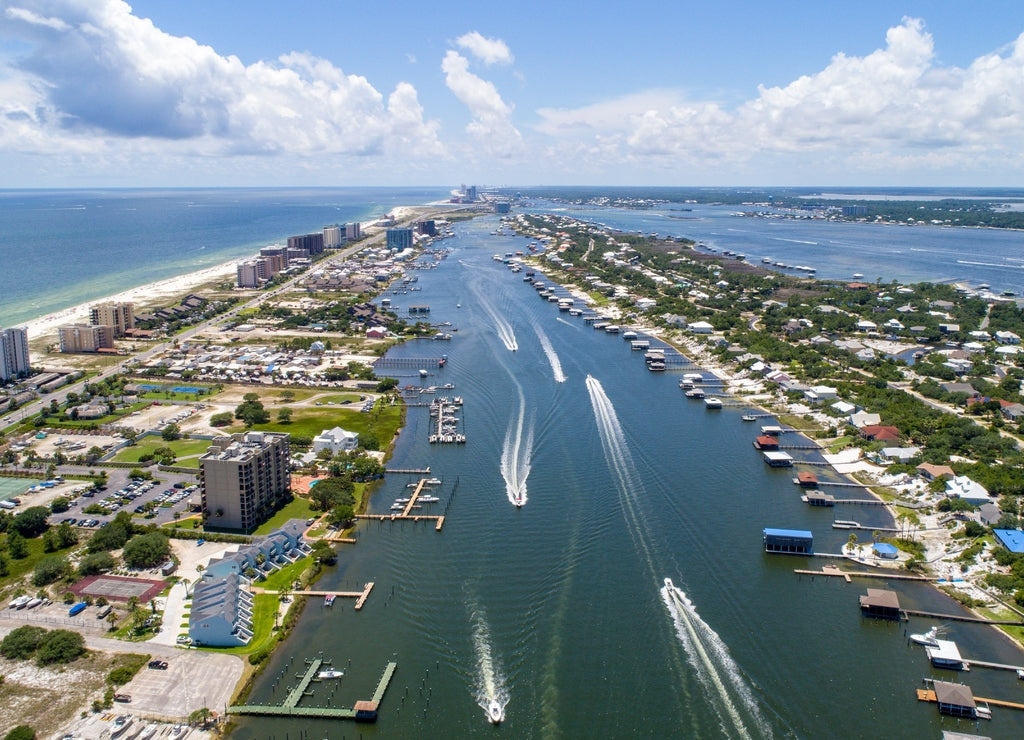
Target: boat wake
[[616, 452], [549, 352], [491, 694], [504, 329], [516, 453], [728, 691]]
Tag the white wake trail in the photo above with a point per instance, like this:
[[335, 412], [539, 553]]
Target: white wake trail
[[549, 352], [616, 452], [516, 453], [490, 680], [717, 672], [504, 329]]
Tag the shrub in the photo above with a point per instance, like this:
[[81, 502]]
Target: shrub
[[21, 643], [147, 550], [60, 646], [50, 569], [21, 732]]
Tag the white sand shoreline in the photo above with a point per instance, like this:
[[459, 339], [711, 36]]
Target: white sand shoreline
[[168, 288]]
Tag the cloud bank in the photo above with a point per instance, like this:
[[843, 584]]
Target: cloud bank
[[93, 88]]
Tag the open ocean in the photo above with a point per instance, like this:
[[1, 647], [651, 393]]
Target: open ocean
[[60, 248]]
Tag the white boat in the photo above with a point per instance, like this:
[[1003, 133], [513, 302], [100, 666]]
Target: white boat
[[748, 417], [495, 712], [437, 481], [178, 732], [148, 731], [330, 673], [929, 638], [428, 499], [121, 725], [397, 506], [1020, 673], [423, 373]]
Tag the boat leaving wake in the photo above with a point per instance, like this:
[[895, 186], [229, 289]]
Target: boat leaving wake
[[549, 352], [728, 692], [491, 695], [506, 333], [516, 453]]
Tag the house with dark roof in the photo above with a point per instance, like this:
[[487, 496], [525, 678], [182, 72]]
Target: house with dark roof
[[880, 432]]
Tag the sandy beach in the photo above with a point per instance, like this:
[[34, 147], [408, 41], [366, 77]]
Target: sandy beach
[[143, 294], [170, 288]]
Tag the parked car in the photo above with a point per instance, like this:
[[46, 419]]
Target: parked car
[[123, 698], [159, 665]]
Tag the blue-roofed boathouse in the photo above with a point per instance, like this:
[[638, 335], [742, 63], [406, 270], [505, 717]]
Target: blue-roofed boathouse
[[788, 541]]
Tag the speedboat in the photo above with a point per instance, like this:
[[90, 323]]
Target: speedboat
[[330, 673], [495, 712], [928, 639]]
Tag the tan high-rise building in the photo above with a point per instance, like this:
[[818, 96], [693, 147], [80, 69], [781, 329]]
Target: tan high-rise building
[[245, 477], [13, 354], [85, 338], [120, 316]]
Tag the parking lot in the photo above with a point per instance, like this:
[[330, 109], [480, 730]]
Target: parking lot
[[164, 498]]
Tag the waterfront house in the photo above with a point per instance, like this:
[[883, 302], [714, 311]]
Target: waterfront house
[[1007, 337], [900, 454], [931, 472], [1011, 539], [880, 603], [221, 613], [885, 550], [336, 440], [843, 408], [969, 490], [819, 393], [701, 327], [1012, 411], [863, 419], [880, 432]]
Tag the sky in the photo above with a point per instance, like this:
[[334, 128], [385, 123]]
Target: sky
[[184, 93]]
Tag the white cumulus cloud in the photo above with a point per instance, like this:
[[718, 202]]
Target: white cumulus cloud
[[491, 122], [96, 71], [488, 51]]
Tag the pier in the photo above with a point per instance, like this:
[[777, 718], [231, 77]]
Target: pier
[[359, 596], [410, 471], [406, 513], [416, 362], [907, 613], [363, 711], [833, 571]]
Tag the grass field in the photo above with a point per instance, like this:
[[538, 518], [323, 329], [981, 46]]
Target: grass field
[[297, 509], [383, 421], [184, 449]]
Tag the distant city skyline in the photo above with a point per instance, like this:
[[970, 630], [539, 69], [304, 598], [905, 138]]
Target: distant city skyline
[[103, 93]]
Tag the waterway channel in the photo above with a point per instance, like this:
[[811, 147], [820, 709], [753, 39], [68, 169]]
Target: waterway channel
[[556, 608]]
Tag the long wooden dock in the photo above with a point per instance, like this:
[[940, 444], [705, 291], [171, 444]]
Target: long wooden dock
[[407, 511], [834, 572], [411, 471], [359, 596], [365, 710], [960, 618]]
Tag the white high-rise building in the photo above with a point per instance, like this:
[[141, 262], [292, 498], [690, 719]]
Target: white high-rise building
[[13, 354]]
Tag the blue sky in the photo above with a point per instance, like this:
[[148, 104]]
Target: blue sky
[[181, 93]]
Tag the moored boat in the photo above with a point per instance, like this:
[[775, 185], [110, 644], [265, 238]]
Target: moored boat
[[929, 638], [329, 600], [330, 673]]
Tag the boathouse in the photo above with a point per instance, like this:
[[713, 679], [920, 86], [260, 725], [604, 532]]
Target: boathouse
[[880, 603], [817, 498], [955, 699], [788, 541], [766, 442], [807, 480], [777, 459]]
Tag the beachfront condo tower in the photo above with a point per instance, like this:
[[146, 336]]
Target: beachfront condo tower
[[13, 354]]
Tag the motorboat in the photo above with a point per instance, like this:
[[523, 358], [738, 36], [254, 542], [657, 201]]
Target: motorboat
[[329, 599], [330, 673], [928, 639], [748, 417], [428, 499], [178, 732], [495, 712]]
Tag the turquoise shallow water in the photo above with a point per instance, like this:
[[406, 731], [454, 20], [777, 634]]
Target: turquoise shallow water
[[557, 608]]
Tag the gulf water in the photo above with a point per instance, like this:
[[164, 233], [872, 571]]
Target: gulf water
[[60, 248], [558, 609]]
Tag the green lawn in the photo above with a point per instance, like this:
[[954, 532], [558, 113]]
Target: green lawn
[[342, 397], [283, 578], [183, 449], [263, 635], [309, 422], [298, 509]]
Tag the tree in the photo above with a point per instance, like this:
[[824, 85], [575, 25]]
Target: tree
[[93, 454], [199, 717], [17, 546], [171, 432], [65, 535], [284, 416], [251, 411], [32, 521], [341, 515], [287, 396], [59, 505], [146, 550], [221, 420], [50, 569], [96, 563], [324, 553], [21, 643], [331, 492]]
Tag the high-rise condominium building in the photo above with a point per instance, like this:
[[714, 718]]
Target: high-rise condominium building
[[245, 477], [13, 354]]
